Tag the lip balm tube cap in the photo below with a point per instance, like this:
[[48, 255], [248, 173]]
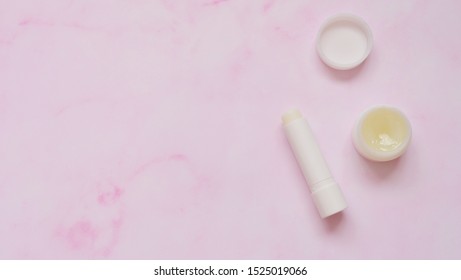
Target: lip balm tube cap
[[328, 198]]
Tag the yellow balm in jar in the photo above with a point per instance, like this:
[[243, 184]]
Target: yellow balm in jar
[[382, 133]]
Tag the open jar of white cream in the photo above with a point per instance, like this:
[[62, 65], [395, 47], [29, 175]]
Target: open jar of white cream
[[382, 133]]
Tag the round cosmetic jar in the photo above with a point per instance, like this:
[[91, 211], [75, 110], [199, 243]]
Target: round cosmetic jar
[[344, 41], [382, 133]]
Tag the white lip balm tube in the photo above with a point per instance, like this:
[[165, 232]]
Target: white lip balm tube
[[325, 192]]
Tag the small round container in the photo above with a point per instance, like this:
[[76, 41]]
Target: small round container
[[382, 133], [344, 41]]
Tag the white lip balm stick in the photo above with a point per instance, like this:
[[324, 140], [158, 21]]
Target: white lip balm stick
[[325, 192]]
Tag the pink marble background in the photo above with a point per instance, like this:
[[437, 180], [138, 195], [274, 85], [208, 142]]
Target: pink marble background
[[151, 129]]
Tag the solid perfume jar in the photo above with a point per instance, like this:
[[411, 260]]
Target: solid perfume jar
[[382, 133]]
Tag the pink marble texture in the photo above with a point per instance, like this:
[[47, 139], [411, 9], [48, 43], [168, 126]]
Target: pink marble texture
[[151, 130]]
